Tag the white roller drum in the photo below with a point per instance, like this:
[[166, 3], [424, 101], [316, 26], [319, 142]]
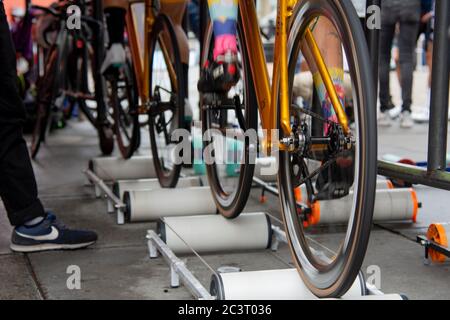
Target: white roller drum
[[113, 169], [121, 186], [270, 285], [214, 233], [390, 205], [151, 205]]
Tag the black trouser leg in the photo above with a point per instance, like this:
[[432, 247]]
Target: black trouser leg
[[115, 21], [17, 182], [406, 44], [386, 38]]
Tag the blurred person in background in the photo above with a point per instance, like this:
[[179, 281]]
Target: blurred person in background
[[406, 14], [423, 114]]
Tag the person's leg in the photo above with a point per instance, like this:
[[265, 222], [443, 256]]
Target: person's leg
[[18, 186], [115, 11], [423, 114], [194, 18], [330, 46], [224, 15], [221, 74], [407, 42], [176, 11], [336, 180], [386, 39], [35, 229]]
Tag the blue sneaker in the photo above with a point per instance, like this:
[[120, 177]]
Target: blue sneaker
[[50, 234]]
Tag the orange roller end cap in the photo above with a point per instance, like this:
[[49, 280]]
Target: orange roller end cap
[[298, 194], [314, 217], [415, 205], [436, 233]]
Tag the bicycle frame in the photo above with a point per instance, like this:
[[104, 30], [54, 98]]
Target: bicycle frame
[[267, 94], [140, 62], [140, 51]]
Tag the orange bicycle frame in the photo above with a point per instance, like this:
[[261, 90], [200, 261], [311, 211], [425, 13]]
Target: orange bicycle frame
[[269, 95]]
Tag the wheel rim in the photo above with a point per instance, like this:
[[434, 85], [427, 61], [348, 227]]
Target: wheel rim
[[124, 102], [231, 173], [326, 267], [166, 111]]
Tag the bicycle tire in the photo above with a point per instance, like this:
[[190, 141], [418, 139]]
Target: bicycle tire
[[336, 278], [163, 28], [126, 118], [231, 204], [47, 90]]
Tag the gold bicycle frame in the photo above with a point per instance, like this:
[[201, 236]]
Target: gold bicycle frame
[[267, 95], [140, 51]]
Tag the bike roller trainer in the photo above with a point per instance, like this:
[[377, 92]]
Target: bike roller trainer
[[185, 230], [251, 231], [283, 284]]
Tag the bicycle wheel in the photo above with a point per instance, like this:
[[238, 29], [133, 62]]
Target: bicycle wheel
[[327, 186], [123, 99], [167, 96], [93, 83], [48, 90], [229, 124], [96, 54]]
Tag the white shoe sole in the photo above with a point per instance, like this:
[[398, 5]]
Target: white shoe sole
[[49, 247]]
